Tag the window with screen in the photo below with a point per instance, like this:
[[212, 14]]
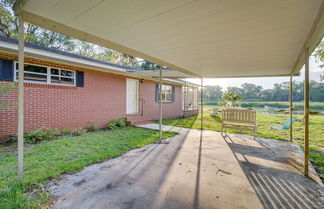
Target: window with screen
[[49, 75], [189, 98], [167, 93]]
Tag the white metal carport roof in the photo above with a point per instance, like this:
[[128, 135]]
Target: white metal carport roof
[[203, 38]]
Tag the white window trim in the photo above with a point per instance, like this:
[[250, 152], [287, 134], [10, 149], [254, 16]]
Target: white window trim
[[165, 101], [185, 99], [48, 75]]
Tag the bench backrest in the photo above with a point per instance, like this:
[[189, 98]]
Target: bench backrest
[[239, 116]]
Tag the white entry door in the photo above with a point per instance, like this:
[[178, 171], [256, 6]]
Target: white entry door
[[131, 96]]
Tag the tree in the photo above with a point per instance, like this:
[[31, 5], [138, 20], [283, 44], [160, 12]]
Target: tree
[[33, 34], [319, 53], [213, 92], [251, 91], [231, 100], [6, 88], [319, 56], [235, 90], [37, 35]]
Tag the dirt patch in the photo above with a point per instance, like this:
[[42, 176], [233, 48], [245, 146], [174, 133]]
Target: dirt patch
[[79, 182], [129, 204], [106, 188]]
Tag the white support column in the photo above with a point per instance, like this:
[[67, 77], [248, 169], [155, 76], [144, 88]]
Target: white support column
[[160, 105], [21, 100], [185, 102], [291, 108], [306, 111], [202, 104]]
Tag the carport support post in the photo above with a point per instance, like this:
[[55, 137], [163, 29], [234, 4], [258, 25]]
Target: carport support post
[[201, 104], [185, 99], [306, 111], [160, 104], [21, 100], [291, 108]]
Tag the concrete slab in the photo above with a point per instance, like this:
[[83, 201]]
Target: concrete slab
[[195, 170]]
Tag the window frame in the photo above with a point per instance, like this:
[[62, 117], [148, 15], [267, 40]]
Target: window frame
[[48, 75], [193, 100], [165, 93]]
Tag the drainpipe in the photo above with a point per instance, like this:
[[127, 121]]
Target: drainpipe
[[306, 111], [21, 100], [160, 105], [291, 109]]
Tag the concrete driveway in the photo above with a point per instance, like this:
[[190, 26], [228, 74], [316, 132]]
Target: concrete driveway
[[195, 170]]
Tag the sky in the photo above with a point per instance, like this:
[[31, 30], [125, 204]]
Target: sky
[[265, 82]]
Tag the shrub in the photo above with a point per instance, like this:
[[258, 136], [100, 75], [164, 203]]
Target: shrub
[[53, 133], [36, 136], [45, 134], [67, 131], [92, 127], [117, 123], [79, 131]]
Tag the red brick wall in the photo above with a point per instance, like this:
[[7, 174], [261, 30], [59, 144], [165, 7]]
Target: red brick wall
[[102, 99], [151, 107]]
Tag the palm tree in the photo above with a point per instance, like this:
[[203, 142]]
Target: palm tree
[[231, 100]]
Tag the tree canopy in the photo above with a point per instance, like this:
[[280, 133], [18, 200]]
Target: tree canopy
[[279, 92], [37, 35]]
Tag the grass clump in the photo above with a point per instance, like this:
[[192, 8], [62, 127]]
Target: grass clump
[[43, 134], [117, 123], [92, 127], [79, 131], [48, 159]]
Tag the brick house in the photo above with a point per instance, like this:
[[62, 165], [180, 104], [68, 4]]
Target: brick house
[[64, 90]]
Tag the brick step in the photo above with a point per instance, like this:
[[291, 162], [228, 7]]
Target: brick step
[[142, 122], [137, 120]]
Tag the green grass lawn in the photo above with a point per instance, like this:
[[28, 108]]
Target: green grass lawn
[[265, 121], [49, 159], [318, 106]]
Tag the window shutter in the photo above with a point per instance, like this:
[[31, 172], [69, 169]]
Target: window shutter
[[173, 93], [6, 70], [79, 78], [157, 92]]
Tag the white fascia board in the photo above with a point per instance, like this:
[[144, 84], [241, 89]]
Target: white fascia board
[[37, 52], [172, 80]]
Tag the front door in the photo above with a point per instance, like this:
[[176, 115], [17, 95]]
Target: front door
[[131, 96]]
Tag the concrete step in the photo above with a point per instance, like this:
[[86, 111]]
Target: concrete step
[[137, 120]]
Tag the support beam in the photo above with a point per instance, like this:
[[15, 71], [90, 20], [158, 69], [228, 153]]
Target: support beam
[[160, 105], [21, 100], [306, 111], [201, 104], [291, 108], [185, 99]]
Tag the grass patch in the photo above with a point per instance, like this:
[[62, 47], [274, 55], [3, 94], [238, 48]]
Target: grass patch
[[265, 121], [275, 104], [49, 159]]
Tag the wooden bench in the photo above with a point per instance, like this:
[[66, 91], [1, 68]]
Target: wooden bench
[[239, 119]]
